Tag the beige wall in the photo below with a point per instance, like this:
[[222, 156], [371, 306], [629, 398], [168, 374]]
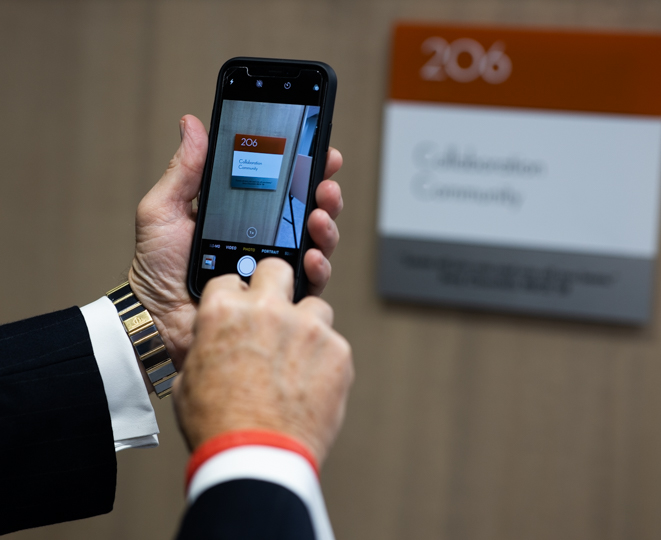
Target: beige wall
[[461, 425]]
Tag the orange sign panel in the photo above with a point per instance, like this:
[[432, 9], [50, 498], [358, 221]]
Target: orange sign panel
[[540, 69], [259, 144]]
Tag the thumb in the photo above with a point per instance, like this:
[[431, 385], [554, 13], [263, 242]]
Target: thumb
[[180, 183]]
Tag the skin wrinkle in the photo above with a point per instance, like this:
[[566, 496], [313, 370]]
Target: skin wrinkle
[[184, 227], [156, 214]]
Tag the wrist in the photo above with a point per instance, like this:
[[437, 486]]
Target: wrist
[[167, 316]]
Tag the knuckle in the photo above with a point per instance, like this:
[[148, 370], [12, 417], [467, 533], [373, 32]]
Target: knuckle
[[173, 163], [270, 309], [232, 279], [319, 307], [215, 303], [315, 329], [220, 285], [344, 353], [277, 263], [344, 348]]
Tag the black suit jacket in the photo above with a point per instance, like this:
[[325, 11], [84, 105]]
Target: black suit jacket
[[247, 510], [57, 455]]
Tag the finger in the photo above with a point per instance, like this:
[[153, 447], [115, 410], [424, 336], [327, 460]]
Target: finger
[[316, 307], [274, 277], [329, 198], [227, 282], [181, 181], [318, 271], [333, 162], [323, 231]]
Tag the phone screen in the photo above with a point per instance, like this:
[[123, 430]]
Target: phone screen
[[261, 170]]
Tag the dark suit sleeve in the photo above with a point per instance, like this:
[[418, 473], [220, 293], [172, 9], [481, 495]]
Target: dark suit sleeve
[[57, 456], [247, 510]]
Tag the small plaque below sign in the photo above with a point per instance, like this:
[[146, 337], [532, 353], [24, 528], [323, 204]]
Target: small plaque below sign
[[520, 171]]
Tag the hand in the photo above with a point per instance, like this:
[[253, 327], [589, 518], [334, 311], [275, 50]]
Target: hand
[[260, 362], [165, 222]]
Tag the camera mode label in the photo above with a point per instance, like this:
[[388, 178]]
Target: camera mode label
[[257, 161]]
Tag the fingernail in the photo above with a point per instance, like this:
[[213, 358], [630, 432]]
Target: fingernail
[[182, 128]]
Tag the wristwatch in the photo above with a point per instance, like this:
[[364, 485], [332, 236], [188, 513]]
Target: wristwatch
[[146, 340]]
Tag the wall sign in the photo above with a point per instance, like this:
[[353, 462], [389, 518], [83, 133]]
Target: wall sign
[[520, 171]]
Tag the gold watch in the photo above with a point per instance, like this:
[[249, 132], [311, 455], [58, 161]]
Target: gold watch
[[145, 338]]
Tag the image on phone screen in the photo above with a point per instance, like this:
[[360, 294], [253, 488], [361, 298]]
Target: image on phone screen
[[260, 176]]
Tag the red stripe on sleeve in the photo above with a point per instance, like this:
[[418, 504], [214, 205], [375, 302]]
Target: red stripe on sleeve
[[234, 439]]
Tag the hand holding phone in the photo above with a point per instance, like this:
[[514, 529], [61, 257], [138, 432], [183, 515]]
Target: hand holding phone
[[268, 142]]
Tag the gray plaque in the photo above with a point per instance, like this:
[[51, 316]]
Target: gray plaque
[[604, 288]]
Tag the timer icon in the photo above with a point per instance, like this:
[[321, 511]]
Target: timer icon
[[287, 85]]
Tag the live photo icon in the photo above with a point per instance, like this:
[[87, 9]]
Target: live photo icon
[[209, 262]]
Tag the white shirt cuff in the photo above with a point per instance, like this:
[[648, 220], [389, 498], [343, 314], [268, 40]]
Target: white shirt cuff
[[132, 415], [269, 464]]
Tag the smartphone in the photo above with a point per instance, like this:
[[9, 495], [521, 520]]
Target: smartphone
[[268, 141]]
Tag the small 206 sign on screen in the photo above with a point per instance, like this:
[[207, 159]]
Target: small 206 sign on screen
[[257, 161]]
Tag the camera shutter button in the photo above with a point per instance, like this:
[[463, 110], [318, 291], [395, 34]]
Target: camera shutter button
[[246, 265]]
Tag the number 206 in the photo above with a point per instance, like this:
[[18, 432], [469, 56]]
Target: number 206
[[494, 66], [248, 142]]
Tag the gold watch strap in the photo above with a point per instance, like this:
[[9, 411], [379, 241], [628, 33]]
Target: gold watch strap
[[145, 338]]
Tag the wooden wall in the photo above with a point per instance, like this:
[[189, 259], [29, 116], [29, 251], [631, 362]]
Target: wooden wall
[[461, 425]]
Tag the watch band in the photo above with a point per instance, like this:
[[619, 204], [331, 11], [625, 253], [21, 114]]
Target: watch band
[[145, 339]]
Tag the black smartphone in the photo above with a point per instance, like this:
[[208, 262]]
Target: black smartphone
[[268, 141]]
